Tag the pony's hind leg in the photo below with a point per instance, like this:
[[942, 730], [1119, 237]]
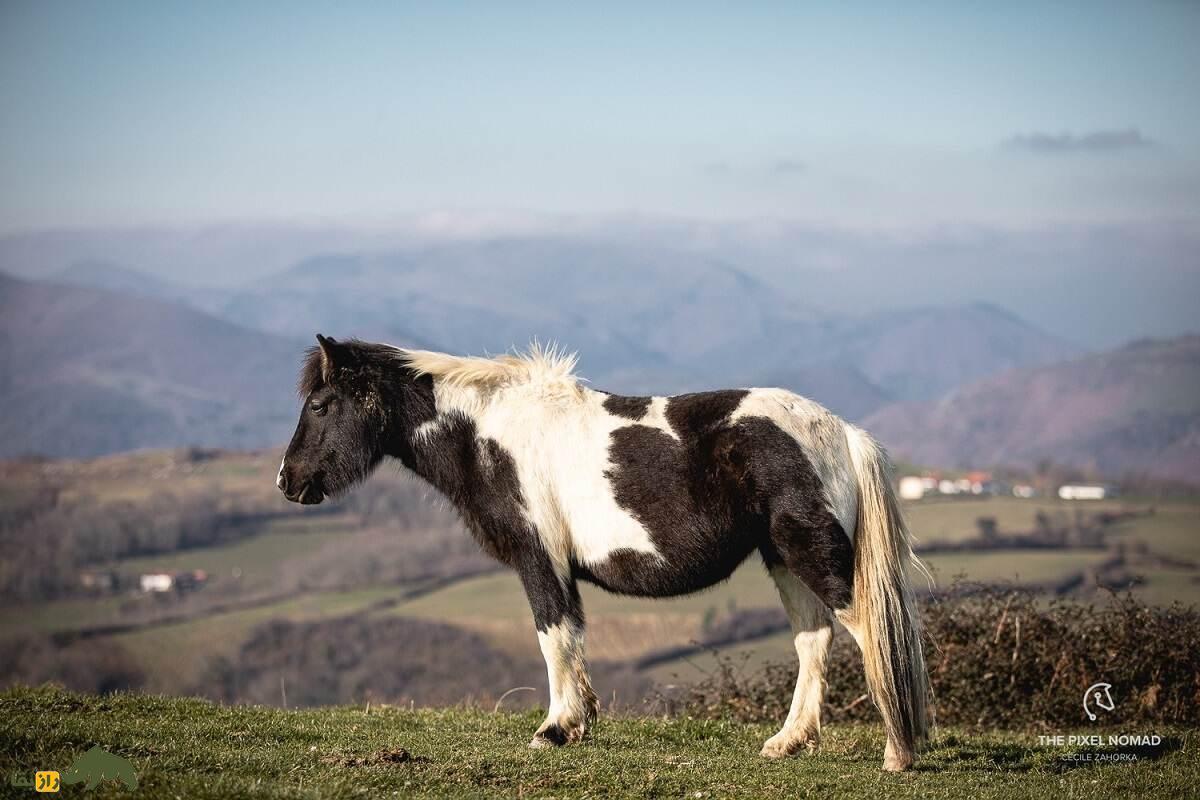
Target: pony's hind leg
[[558, 615], [812, 561], [812, 633]]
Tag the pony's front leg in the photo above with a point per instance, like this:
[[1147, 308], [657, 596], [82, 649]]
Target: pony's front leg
[[558, 615]]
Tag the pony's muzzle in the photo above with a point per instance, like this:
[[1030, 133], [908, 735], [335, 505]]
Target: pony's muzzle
[[308, 493]]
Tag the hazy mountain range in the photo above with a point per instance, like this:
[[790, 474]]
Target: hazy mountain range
[[643, 318], [1136, 408], [1097, 285], [126, 360], [90, 371]]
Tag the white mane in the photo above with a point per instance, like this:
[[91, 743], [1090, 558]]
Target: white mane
[[545, 365]]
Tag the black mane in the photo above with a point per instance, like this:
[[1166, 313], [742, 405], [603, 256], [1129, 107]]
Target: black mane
[[310, 373], [357, 360]]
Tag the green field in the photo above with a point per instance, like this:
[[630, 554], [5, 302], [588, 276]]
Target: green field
[[1017, 566], [1175, 523], [175, 655], [194, 749], [252, 563], [255, 559], [620, 628]]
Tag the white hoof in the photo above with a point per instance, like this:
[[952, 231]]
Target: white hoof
[[783, 746]]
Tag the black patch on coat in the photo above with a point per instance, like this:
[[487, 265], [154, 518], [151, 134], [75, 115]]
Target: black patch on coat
[[688, 505], [633, 408], [713, 497], [804, 535], [480, 478], [694, 415]]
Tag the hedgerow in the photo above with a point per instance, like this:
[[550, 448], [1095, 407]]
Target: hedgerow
[[999, 658]]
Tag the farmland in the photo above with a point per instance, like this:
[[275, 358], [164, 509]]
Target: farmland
[[368, 559]]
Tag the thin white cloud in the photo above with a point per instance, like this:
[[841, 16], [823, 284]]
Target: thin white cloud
[[788, 166], [778, 167], [1104, 141]]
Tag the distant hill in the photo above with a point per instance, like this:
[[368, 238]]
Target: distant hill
[[97, 274], [919, 353], [1136, 408], [644, 318], [88, 371]]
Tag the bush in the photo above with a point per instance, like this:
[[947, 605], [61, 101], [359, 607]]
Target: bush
[[1000, 658], [85, 665], [391, 659]]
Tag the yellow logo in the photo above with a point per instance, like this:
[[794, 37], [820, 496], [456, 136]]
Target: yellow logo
[[47, 781]]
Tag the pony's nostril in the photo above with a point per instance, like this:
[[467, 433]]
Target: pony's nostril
[[282, 482]]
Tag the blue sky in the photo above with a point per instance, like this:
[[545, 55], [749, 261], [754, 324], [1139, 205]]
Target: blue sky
[[858, 115]]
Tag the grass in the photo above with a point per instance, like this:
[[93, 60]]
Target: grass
[[1017, 566], [621, 627], [953, 519], [500, 595], [191, 748], [60, 614], [1172, 529], [176, 655], [257, 558], [260, 561], [752, 656]]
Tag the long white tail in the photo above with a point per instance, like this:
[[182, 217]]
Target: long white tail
[[884, 614]]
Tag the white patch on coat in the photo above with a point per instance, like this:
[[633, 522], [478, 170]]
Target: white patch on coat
[[279, 477], [823, 438], [656, 417], [558, 434]]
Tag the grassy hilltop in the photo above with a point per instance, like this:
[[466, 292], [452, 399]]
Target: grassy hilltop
[[196, 749]]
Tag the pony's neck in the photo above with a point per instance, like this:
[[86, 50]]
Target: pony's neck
[[471, 401], [411, 403], [441, 446]]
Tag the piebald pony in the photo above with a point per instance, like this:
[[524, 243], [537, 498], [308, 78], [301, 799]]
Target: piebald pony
[[648, 496]]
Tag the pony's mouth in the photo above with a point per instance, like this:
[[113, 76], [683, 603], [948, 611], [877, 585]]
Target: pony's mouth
[[310, 494]]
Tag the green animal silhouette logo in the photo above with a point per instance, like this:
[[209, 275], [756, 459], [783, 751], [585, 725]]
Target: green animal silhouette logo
[[98, 765]]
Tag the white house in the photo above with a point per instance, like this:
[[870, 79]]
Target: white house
[[1085, 491], [157, 582], [912, 487]]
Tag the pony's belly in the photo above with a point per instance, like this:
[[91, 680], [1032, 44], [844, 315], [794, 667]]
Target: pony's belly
[[640, 574]]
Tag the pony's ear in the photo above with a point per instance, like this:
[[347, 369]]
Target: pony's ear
[[330, 354]]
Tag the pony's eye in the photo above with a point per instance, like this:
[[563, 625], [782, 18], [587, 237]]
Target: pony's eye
[[317, 407]]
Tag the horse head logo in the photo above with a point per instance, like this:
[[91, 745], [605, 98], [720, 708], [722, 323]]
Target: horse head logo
[[97, 765], [1098, 696]]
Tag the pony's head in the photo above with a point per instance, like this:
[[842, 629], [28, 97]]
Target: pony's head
[[351, 402]]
